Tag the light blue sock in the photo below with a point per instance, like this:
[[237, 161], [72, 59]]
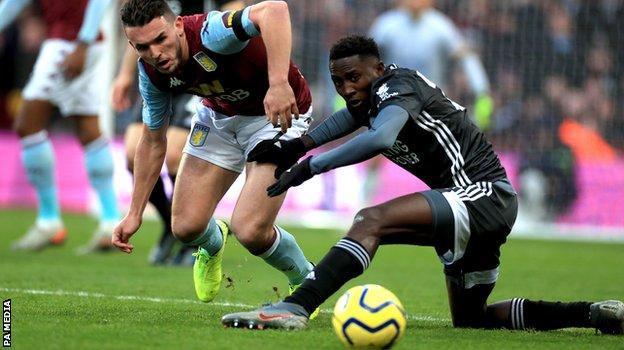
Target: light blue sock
[[38, 159], [99, 164], [286, 256], [211, 240]]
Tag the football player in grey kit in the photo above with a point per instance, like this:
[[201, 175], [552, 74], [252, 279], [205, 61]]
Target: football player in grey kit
[[466, 216]]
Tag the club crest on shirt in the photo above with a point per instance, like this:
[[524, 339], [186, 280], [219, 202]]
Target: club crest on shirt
[[206, 62], [199, 135]]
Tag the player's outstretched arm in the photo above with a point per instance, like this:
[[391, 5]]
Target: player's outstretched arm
[[285, 153], [382, 135], [273, 20], [150, 155]]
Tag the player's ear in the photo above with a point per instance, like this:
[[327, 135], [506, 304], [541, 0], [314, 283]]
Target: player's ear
[[380, 67], [179, 26]]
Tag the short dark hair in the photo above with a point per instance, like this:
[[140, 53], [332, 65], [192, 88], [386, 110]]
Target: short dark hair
[[354, 45], [137, 13]]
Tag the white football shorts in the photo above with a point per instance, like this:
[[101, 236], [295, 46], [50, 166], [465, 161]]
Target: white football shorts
[[226, 141], [80, 96]]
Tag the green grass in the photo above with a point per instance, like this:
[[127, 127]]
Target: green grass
[[62, 318]]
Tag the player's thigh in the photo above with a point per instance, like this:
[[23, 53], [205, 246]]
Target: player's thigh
[[176, 139], [255, 212], [34, 116], [131, 140], [87, 128], [199, 187], [403, 220]]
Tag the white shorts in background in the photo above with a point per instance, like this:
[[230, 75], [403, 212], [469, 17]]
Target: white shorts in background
[[226, 141], [80, 96]]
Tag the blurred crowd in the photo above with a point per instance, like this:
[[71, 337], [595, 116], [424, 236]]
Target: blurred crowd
[[554, 68]]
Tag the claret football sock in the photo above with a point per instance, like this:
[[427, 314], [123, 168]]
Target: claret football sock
[[286, 256], [99, 164], [38, 159], [344, 261]]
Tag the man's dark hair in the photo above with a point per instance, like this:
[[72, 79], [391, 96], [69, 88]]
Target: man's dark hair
[[137, 13], [354, 45]]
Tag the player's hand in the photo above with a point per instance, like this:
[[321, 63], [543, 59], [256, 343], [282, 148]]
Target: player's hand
[[283, 153], [280, 105], [123, 231], [120, 90], [294, 176], [73, 64], [483, 109]]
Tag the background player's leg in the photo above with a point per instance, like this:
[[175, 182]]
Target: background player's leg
[[253, 224], [99, 164], [38, 159], [158, 197], [176, 139], [404, 220]]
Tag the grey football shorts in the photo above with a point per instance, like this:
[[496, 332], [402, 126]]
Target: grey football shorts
[[470, 225]]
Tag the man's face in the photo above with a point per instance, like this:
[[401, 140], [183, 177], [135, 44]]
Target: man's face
[[159, 43], [353, 77]]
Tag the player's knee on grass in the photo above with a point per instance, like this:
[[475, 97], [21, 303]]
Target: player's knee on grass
[[468, 305]]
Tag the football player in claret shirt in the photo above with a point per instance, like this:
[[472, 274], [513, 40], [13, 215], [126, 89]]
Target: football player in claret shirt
[[251, 92], [66, 77], [466, 216], [122, 92]]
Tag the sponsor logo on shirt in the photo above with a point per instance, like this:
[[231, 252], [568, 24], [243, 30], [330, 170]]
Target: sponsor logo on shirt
[[173, 82], [383, 93]]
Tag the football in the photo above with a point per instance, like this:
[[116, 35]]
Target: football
[[369, 316]]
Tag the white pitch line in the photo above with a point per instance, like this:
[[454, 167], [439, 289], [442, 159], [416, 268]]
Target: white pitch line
[[84, 294]]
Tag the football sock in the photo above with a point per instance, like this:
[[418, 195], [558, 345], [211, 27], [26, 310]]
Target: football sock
[[38, 159], [344, 261], [286, 256], [544, 315], [210, 241], [161, 202], [99, 164]]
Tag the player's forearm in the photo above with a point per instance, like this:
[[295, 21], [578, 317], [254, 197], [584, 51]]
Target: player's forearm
[[148, 161], [382, 135], [129, 62], [92, 18], [333, 127], [474, 71], [273, 20], [9, 10]]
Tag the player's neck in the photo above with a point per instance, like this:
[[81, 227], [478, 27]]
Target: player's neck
[[184, 46]]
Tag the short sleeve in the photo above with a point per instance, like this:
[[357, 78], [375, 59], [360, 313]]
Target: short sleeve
[[156, 103]]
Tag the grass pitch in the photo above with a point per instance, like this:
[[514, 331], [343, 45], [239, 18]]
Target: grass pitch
[[117, 301]]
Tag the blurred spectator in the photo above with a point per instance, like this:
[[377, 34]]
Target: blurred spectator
[[415, 35]]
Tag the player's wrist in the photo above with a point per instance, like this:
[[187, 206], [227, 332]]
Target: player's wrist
[[307, 142]]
